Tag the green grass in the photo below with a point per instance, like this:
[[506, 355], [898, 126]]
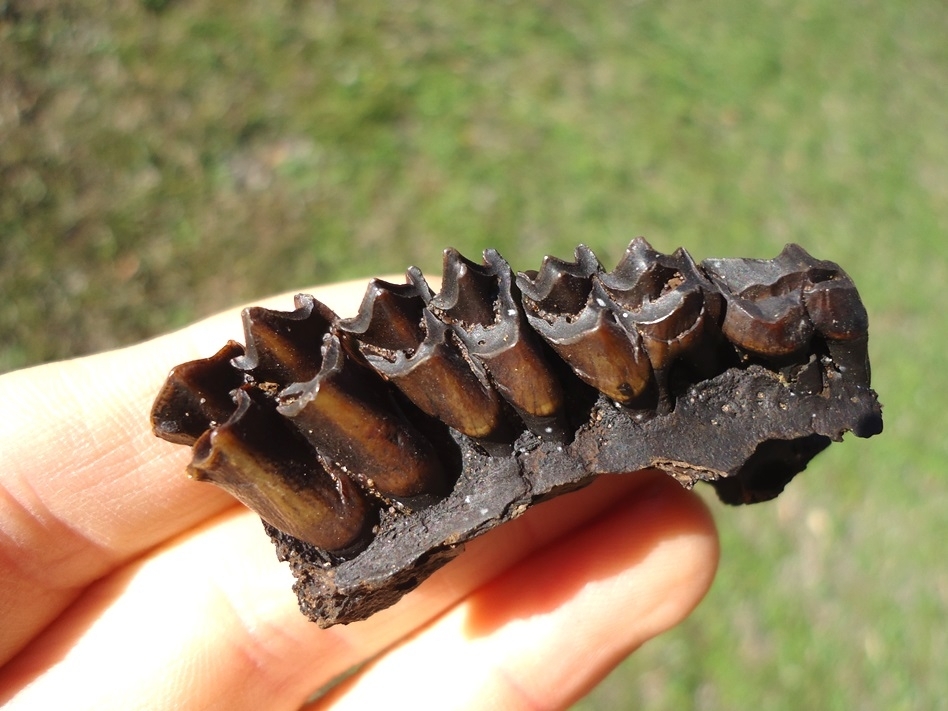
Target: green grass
[[162, 160]]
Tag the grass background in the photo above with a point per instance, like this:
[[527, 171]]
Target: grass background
[[161, 160]]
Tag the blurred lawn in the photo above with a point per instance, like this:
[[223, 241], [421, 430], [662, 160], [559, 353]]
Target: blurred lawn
[[162, 160]]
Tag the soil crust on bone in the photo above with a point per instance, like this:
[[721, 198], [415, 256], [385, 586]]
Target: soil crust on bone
[[746, 431]]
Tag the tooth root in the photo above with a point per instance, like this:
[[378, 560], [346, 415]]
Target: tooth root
[[283, 346], [478, 300], [442, 383], [196, 395], [257, 459], [343, 415]]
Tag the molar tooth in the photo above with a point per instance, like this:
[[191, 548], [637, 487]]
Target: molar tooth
[[443, 383], [345, 416], [283, 346], [257, 459], [404, 341], [479, 301], [765, 312], [196, 394], [468, 291], [390, 316], [670, 304], [599, 350]]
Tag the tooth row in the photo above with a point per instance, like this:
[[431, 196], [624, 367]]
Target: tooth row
[[320, 417]]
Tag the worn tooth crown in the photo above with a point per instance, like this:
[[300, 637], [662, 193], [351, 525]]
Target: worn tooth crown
[[560, 287], [468, 291], [196, 396], [374, 446], [283, 346], [390, 318], [670, 303]]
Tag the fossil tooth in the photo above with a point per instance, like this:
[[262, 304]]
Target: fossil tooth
[[560, 287], [283, 346], [344, 413], [256, 458], [587, 336], [479, 301], [426, 363], [669, 303], [837, 313], [390, 318], [196, 396], [468, 291], [765, 314]]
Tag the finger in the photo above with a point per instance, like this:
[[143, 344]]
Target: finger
[[231, 633], [85, 485], [544, 633]]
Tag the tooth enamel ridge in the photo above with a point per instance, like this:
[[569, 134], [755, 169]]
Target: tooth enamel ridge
[[373, 447]]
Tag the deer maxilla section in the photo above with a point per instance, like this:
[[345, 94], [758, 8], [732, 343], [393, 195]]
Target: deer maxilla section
[[339, 431]]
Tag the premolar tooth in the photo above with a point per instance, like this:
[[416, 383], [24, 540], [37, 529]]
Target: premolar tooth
[[256, 458], [197, 395], [344, 415], [765, 312]]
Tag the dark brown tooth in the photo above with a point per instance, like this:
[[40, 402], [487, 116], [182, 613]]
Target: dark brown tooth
[[765, 313], [669, 303], [482, 304], [390, 317], [443, 383], [343, 412], [283, 346], [468, 291], [599, 350], [833, 304], [402, 340], [256, 458], [560, 288], [196, 396]]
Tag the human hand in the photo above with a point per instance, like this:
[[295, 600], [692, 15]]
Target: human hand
[[125, 585]]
